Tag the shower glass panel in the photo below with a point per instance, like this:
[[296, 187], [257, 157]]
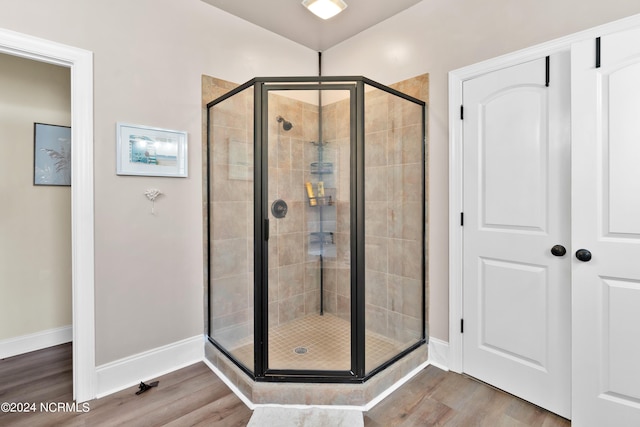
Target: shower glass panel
[[309, 280], [394, 225], [231, 226]]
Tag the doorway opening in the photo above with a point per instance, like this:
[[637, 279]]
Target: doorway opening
[[82, 215]]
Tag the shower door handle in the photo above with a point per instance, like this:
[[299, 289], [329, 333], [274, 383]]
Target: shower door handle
[[266, 229]]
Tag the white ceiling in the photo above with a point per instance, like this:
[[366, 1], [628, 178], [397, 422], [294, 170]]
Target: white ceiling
[[290, 19]]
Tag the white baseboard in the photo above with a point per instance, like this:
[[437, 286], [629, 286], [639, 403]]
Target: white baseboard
[[439, 353], [36, 341], [129, 371]]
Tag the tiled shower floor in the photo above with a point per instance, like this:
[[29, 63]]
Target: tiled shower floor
[[327, 341]]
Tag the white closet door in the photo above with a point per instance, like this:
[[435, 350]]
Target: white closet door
[[516, 208], [606, 222]]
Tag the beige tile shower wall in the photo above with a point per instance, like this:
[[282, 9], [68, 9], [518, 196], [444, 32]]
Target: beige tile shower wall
[[393, 219], [231, 214], [393, 213], [337, 276], [401, 294], [293, 273], [212, 88], [297, 271]]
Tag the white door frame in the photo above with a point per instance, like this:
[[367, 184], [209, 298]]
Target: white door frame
[[456, 79], [82, 228]]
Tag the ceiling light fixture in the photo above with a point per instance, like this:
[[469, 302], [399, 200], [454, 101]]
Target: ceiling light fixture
[[325, 9]]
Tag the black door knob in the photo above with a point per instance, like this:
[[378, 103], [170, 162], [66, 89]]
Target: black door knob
[[583, 255], [558, 250]]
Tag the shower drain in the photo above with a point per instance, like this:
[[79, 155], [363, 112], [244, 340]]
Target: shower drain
[[300, 350]]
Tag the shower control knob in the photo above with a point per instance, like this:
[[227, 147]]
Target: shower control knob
[[279, 208]]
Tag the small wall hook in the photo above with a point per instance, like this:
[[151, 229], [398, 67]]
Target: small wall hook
[[152, 194]]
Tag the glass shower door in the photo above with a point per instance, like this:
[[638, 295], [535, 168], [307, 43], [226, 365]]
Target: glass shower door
[[231, 207], [309, 261]]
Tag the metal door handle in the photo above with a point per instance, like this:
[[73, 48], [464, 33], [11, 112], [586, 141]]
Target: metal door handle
[[558, 250], [583, 255]]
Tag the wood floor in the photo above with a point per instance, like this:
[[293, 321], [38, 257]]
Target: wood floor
[[194, 396], [438, 398]]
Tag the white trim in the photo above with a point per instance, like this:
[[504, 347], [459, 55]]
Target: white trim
[[82, 241], [36, 341], [455, 230], [456, 79], [129, 371], [439, 353]]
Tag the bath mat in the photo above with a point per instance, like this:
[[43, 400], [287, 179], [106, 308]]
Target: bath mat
[[307, 417]]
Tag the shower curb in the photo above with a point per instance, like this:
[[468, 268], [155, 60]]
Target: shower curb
[[361, 395]]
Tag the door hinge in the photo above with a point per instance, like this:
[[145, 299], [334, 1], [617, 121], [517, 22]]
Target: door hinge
[[462, 326], [598, 52], [266, 229], [462, 112], [547, 72], [461, 219]]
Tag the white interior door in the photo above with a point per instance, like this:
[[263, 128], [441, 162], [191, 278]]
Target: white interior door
[[606, 221], [516, 294]]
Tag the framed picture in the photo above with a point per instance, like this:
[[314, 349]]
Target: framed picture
[[148, 151], [51, 154]]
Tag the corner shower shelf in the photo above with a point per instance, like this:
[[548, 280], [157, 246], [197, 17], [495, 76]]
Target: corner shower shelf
[[321, 201], [321, 167], [322, 243]]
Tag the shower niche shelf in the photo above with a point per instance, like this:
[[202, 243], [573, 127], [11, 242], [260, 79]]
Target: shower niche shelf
[[322, 226], [321, 168]]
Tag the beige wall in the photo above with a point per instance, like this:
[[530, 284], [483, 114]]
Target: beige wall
[[35, 221], [435, 37]]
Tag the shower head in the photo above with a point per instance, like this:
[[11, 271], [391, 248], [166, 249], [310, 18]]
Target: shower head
[[285, 124]]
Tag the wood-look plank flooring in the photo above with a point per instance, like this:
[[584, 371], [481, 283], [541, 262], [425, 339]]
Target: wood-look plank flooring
[[194, 396], [438, 398]]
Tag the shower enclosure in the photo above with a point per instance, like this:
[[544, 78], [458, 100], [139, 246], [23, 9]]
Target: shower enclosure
[[316, 227]]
